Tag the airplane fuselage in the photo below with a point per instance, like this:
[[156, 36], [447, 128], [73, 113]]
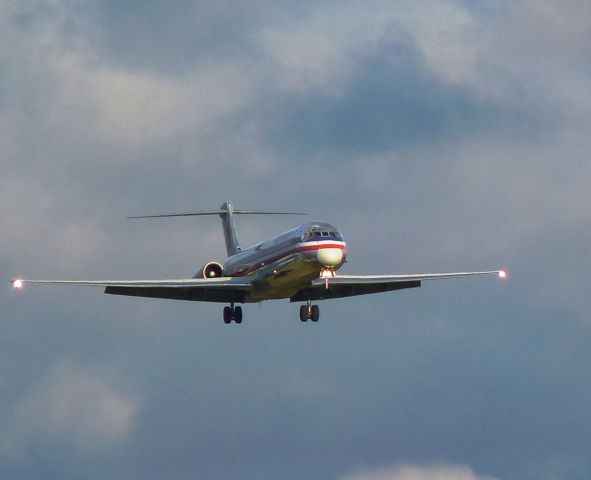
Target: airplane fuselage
[[282, 265]]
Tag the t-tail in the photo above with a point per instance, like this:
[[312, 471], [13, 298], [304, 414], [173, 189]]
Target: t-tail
[[226, 213]]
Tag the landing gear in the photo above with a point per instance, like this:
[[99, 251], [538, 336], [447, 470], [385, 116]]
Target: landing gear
[[309, 311], [314, 313], [232, 313]]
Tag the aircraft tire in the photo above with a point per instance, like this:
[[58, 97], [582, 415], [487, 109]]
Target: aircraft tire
[[314, 313], [238, 314], [304, 313], [227, 315]]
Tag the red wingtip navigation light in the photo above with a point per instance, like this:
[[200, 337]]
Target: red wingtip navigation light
[[502, 274], [18, 284]]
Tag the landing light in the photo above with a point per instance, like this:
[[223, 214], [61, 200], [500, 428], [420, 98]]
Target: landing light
[[502, 274], [18, 284]]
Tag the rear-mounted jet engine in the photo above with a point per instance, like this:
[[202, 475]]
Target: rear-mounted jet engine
[[210, 270]]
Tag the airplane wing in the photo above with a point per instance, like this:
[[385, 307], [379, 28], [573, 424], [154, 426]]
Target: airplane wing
[[221, 289], [236, 289], [352, 285]]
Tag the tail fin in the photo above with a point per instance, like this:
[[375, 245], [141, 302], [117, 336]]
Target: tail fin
[[227, 216], [226, 212]]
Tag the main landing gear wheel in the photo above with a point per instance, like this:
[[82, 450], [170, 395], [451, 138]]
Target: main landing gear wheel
[[238, 314], [309, 312], [232, 313]]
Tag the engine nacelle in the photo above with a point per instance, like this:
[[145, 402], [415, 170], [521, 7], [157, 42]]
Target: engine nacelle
[[210, 270]]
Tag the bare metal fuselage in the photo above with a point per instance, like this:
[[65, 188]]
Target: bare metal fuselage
[[281, 266]]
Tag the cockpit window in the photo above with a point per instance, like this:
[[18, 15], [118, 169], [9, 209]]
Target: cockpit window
[[316, 233]]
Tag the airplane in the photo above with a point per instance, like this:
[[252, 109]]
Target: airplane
[[300, 264]]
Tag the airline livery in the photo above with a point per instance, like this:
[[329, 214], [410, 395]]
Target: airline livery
[[300, 264]]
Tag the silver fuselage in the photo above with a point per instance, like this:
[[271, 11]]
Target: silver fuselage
[[284, 264]]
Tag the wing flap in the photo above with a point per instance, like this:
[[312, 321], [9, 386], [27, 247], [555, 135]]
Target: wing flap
[[318, 290], [195, 294]]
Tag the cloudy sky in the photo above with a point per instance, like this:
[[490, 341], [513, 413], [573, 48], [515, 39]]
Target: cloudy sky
[[438, 135]]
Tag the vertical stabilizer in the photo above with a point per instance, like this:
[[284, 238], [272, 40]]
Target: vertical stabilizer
[[227, 216]]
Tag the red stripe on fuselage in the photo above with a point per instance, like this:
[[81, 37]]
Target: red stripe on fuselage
[[301, 247], [318, 246]]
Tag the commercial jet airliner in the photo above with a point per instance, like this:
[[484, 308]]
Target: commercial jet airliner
[[300, 264]]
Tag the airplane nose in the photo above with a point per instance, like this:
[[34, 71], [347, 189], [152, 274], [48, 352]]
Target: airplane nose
[[330, 257]]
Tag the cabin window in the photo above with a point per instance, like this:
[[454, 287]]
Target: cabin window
[[325, 234]]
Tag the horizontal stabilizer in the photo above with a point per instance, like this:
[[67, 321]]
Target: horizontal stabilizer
[[217, 212], [226, 213]]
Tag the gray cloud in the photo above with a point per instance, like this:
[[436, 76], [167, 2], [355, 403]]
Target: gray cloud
[[412, 472], [70, 405], [439, 136]]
